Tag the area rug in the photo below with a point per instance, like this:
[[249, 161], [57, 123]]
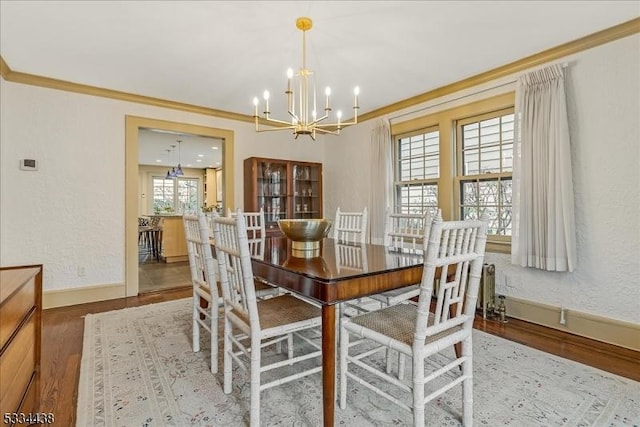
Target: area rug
[[138, 369]]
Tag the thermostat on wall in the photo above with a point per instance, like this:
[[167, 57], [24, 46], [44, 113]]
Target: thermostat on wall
[[28, 165]]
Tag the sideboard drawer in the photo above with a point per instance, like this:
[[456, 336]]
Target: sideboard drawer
[[15, 307], [17, 364]]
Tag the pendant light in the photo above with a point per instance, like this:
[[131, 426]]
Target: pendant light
[[172, 173], [178, 172]]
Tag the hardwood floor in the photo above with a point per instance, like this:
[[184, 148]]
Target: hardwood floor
[[63, 332], [154, 276]]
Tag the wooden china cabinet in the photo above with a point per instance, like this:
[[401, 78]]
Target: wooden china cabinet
[[283, 189]]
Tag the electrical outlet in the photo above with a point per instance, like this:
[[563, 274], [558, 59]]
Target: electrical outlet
[[81, 272]]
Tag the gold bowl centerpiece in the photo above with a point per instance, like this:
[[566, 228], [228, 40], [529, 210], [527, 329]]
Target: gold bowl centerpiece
[[305, 234]]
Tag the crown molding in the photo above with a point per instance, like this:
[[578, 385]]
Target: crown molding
[[4, 69], [35, 80], [593, 40]]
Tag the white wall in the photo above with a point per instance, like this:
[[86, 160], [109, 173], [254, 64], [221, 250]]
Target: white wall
[[604, 115], [70, 213]]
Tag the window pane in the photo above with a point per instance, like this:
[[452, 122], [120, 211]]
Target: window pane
[[489, 193], [490, 197], [188, 194], [417, 198], [405, 170], [487, 146], [470, 193], [507, 158], [418, 159], [469, 213], [471, 162], [163, 195], [505, 191], [470, 134]]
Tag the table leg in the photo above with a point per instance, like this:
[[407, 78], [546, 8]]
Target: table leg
[[328, 363]]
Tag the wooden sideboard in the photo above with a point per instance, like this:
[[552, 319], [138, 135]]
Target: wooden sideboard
[[20, 338]]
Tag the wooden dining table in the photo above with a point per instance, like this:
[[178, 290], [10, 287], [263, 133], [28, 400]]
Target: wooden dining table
[[324, 276]]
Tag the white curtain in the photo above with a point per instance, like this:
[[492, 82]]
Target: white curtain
[[382, 178], [543, 210]]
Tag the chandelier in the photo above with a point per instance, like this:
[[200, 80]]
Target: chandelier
[[301, 86], [174, 173]]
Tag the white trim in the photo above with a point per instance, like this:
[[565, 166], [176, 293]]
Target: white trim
[[85, 294]]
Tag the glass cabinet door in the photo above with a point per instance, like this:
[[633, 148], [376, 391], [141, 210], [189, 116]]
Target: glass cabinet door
[[306, 191], [272, 192]]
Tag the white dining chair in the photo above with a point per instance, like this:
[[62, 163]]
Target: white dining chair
[[409, 233], [261, 322], [415, 332], [350, 227], [256, 235], [206, 299]]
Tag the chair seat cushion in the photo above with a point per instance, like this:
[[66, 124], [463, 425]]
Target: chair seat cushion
[[284, 310], [397, 322]]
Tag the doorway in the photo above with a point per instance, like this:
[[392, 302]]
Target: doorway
[[132, 184], [176, 175]]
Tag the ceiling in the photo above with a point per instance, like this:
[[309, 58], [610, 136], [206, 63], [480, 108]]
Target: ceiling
[[220, 54], [161, 148]]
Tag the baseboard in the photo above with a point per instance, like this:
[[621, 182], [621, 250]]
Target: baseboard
[[85, 294], [600, 328]]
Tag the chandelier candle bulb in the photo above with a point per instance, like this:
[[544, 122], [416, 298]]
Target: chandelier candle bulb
[[327, 92], [266, 102]]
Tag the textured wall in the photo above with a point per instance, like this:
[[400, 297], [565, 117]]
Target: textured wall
[[70, 213], [604, 113]]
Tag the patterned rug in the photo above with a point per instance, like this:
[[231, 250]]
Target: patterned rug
[[138, 370]]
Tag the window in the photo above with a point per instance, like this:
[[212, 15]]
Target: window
[[417, 171], [485, 164], [175, 195], [459, 160]]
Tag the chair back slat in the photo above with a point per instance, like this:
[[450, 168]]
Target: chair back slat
[[234, 261], [201, 263], [256, 233], [406, 231], [457, 248], [350, 227]]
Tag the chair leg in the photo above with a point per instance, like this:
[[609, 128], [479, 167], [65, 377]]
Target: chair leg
[[467, 384], [290, 346], [228, 360], [255, 382], [401, 365], [214, 337], [195, 332], [418, 391]]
